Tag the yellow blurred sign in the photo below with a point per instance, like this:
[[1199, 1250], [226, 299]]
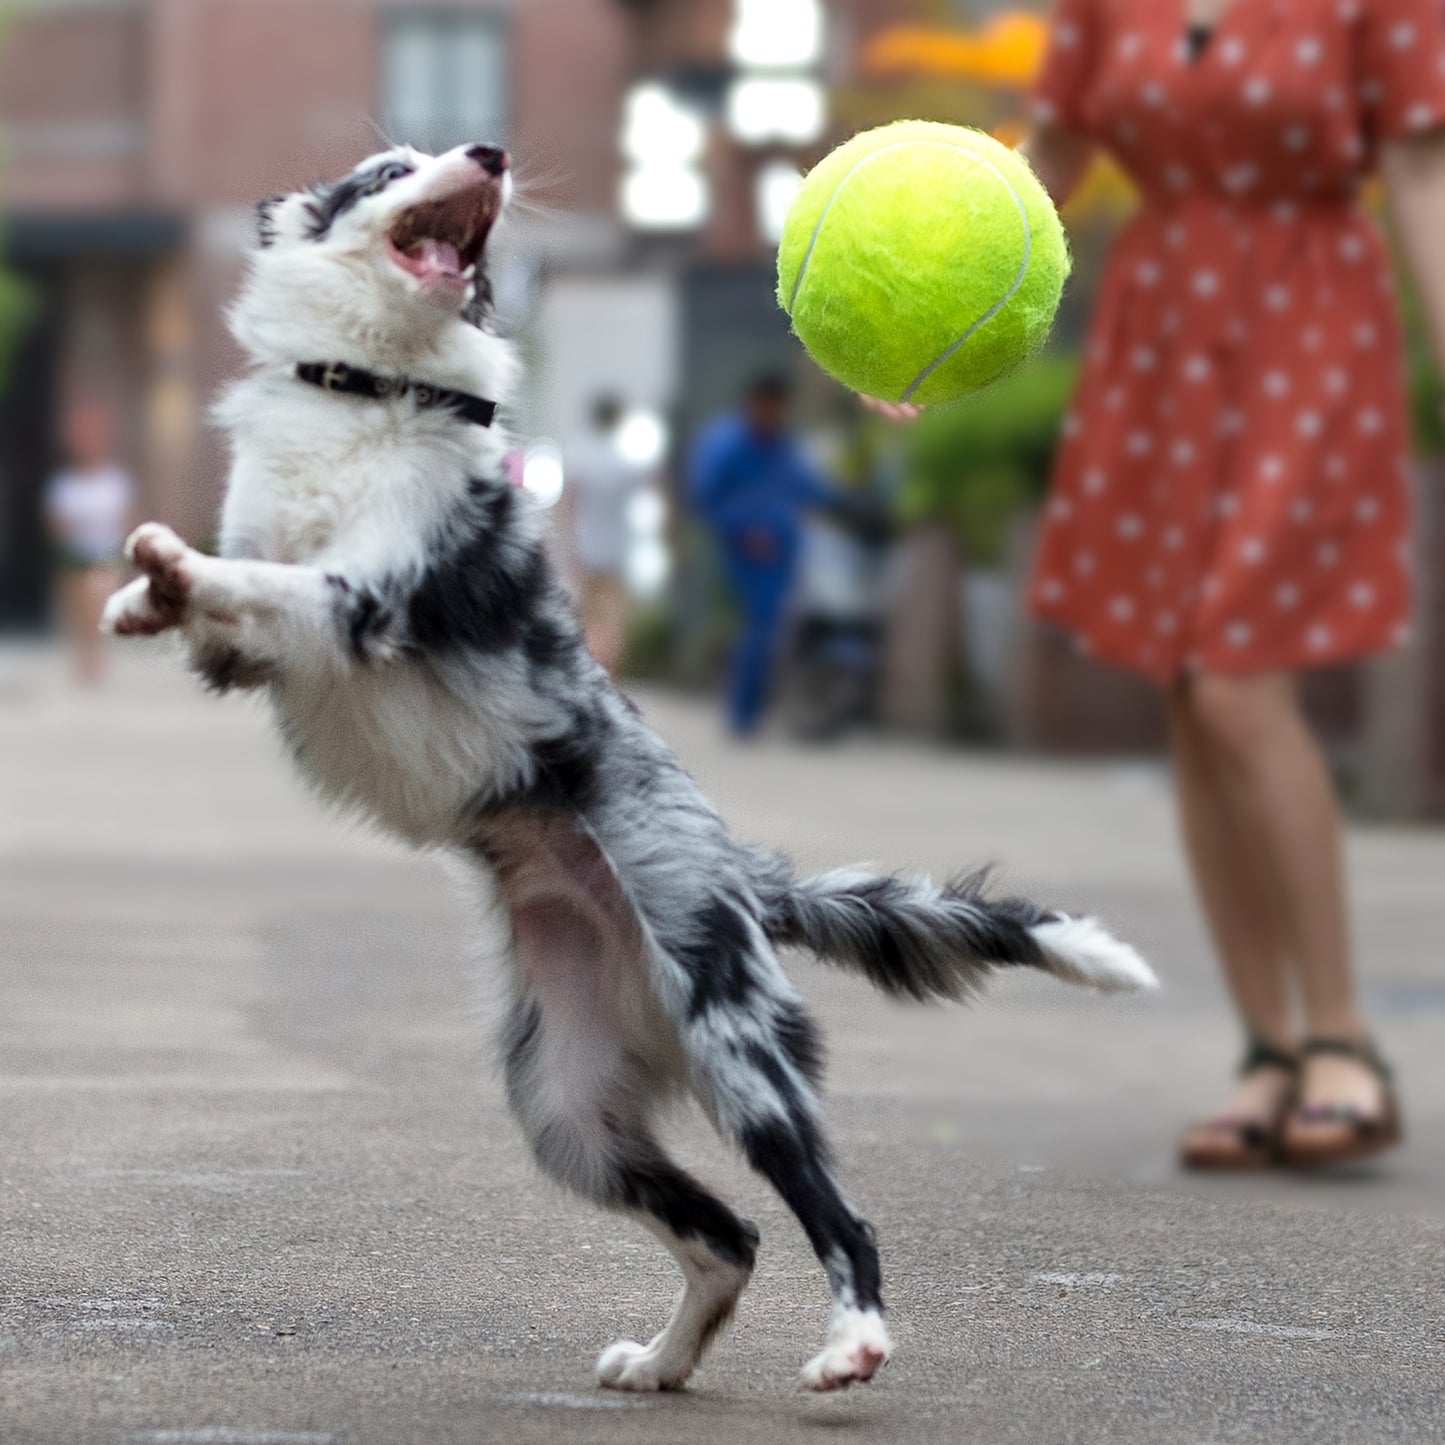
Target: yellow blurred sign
[[1006, 51]]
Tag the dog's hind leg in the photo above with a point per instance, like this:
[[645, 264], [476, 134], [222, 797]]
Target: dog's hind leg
[[754, 1060], [587, 1058], [750, 1050], [584, 1128], [755, 1066], [715, 1250]]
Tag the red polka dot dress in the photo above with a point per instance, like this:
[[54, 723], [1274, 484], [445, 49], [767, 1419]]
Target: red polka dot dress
[[1231, 491]]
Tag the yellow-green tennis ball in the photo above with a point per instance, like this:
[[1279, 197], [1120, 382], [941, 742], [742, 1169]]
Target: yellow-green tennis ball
[[921, 261]]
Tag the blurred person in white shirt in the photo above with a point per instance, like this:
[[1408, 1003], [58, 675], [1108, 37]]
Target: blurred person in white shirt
[[601, 483], [89, 508]]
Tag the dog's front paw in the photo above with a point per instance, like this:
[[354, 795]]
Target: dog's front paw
[[164, 559], [639, 1368], [856, 1348], [159, 598], [136, 611]]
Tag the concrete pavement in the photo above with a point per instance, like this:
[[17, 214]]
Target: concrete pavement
[[257, 1184]]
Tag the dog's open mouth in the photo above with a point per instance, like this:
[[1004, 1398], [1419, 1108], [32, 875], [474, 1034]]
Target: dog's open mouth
[[440, 242]]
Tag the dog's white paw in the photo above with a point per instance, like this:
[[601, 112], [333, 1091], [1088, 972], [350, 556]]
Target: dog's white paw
[[135, 612], [857, 1346], [158, 600], [153, 539], [639, 1368], [162, 556]]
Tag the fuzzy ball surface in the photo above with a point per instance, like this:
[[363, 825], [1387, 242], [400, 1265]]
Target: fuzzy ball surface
[[921, 261]]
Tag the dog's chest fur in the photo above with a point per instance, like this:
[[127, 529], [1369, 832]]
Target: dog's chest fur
[[376, 493], [317, 477]]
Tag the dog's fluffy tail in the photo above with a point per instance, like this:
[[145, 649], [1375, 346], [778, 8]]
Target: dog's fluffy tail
[[910, 937]]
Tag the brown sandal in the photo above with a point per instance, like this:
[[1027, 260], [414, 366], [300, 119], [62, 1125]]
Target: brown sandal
[[1358, 1136], [1226, 1142]]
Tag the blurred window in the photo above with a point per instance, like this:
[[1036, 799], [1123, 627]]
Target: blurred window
[[444, 79]]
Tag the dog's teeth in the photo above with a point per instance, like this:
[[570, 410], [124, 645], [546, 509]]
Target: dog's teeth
[[469, 272]]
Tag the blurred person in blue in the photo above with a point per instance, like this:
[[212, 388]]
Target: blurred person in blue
[[89, 507], [752, 484], [601, 484]]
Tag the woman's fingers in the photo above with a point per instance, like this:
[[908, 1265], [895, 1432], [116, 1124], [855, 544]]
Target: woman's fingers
[[893, 410]]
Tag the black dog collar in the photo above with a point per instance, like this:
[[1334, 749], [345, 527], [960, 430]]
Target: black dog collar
[[354, 381]]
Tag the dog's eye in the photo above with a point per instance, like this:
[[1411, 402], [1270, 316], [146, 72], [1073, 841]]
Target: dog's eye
[[393, 171]]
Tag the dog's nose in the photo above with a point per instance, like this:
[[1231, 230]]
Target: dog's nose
[[492, 159]]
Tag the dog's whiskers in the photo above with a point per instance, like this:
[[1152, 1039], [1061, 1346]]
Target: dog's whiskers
[[380, 131]]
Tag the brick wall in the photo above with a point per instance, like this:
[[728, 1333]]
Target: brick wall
[[216, 102], [572, 64], [72, 104]]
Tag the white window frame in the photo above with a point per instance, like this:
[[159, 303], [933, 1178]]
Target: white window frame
[[445, 33]]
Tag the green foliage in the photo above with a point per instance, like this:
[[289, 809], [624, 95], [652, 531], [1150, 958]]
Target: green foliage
[[18, 302], [650, 642], [980, 462], [1427, 396], [17, 309], [1427, 402]]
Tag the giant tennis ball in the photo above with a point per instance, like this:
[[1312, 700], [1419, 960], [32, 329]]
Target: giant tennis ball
[[921, 261]]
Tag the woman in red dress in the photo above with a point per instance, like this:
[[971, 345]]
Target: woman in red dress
[[1231, 500]]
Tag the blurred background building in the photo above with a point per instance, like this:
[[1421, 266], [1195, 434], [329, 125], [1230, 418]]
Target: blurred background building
[[657, 145], [139, 133]]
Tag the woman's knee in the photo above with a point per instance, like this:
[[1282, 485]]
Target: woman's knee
[[1238, 715]]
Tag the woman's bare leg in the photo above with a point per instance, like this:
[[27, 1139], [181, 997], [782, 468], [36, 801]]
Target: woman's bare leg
[[1242, 921], [82, 596], [1277, 791], [99, 583]]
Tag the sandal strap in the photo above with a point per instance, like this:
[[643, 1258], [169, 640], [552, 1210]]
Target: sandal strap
[[1252, 1133], [1259, 1053], [1339, 1114], [1362, 1051]]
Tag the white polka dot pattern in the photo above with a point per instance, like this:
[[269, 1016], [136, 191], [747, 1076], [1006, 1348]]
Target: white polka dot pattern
[[1230, 490]]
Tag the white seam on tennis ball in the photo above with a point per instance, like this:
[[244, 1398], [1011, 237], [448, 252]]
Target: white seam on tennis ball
[[833, 196], [992, 311], [998, 305]]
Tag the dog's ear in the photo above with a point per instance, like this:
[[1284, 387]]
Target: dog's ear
[[315, 206], [266, 219]]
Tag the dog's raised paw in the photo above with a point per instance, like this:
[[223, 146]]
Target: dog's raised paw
[[152, 541], [135, 611], [856, 1348], [163, 557], [630, 1366]]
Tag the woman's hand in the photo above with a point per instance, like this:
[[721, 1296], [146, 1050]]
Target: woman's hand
[[893, 410]]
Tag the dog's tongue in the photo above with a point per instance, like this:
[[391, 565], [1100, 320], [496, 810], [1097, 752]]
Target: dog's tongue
[[439, 256]]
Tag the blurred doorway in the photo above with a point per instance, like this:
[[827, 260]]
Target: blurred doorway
[[27, 456], [90, 277]]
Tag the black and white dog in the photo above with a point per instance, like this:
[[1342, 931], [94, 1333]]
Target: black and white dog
[[388, 586]]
